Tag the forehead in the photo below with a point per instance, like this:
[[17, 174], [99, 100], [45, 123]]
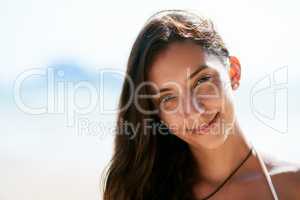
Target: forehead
[[177, 62]]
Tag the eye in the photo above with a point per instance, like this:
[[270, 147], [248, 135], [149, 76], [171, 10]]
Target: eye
[[203, 79], [167, 98]]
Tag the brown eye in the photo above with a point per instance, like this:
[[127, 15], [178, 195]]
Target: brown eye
[[203, 79], [167, 98], [168, 103]]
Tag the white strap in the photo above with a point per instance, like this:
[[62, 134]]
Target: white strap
[[268, 177]]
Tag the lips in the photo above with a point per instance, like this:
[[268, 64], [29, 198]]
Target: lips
[[205, 127]]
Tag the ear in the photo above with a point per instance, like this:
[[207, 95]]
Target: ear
[[234, 72]]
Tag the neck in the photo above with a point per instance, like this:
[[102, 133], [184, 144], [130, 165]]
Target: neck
[[215, 165]]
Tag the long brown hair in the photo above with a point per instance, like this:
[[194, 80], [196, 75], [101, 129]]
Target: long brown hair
[[152, 164]]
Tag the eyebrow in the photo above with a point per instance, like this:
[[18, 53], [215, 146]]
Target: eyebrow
[[198, 70]]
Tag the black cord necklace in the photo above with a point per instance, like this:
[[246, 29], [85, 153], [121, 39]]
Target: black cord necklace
[[232, 173]]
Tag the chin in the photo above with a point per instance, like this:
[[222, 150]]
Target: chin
[[214, 142], [209, 141]]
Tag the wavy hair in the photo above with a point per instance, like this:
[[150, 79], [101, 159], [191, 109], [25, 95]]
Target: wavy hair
[[150, 164]]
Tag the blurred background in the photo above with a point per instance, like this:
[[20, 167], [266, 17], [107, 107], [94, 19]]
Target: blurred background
[[61, 65]]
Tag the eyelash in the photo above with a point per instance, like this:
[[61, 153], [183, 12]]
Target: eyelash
[[166, 98], [202, 79]]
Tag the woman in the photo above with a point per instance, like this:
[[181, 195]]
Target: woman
[[178, 137]]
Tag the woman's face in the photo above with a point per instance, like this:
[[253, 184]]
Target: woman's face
[[193, 94]]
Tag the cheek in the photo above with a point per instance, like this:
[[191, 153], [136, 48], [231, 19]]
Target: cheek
[[214, 96], [176, 125], [227, 110], [210, 95], [172, 122]]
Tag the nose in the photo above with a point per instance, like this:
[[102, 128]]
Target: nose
[[190, 106]]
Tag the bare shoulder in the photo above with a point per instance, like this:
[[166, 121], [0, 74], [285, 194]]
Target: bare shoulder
[[285, 176]]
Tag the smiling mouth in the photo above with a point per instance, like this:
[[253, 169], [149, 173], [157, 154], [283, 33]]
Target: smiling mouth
[[205, 127]]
